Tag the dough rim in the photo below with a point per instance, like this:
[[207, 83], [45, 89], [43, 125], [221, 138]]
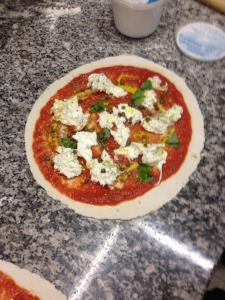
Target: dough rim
[[35, 284], [156, 197]]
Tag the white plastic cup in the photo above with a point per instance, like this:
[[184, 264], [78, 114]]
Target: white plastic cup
[[137, 20]]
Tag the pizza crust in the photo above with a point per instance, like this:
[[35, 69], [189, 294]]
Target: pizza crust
[[32, 282], [156, 197]]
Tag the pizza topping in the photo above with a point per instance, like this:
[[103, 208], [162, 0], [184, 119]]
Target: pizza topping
[[100, 106], [144, 96], [129, 89], [65, 161], [99, 82], [156, 84], [108, 120], [147, 85], [132, 114], [68, 143], [132, 151], [159, 123], [104, 171], [69, 112], [154, 155], [138, 98], [103, 136], [121, 135], [144, 172], [85, 140], [150, 99], [172, 140]]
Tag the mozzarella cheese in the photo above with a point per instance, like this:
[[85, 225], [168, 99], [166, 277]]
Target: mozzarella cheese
[[154, 155], [99, 82], [156, 84], [131, 114], [65, 161], [132, 151], [160, 122], [104, 172], [85, 140], [69, 112], [150, 99]]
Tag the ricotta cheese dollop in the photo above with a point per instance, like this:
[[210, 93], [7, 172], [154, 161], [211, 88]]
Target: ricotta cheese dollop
[[99, 82], [69, 112], [156, 84], [154, 155], [65, 161], [104, 171], [150, 99], [131, 152], [132, 114], [121, 133], [159, 123], [85, 140], [107, 120]]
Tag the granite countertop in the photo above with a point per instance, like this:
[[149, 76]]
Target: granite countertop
[[168, 254]]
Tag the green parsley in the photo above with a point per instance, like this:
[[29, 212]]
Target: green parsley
[[138, 98], [138, 94], [103, 136], [68, 143], [138, 101], [144, 172], [147, 85], [173, 140], [100, 106]]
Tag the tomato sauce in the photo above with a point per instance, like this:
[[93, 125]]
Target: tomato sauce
[[10, 290], [82, 188]]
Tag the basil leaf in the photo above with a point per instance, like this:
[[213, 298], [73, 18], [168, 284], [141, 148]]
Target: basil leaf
[[173, 140], [103, 136], [147, 85], [100, 106], [137, 95], [144, 172], [138, 101], [68, 143]]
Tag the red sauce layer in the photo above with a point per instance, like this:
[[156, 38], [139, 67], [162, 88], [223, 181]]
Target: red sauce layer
[[9, 290], [82, 188]]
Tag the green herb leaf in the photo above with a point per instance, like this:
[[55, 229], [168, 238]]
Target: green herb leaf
[[68, 143], [173, 140], [138, 101], [100, 106], [147, 85], [137, 95], [103, 136], [144, 172]]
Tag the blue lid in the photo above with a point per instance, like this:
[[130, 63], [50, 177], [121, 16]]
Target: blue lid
[[201, 41]]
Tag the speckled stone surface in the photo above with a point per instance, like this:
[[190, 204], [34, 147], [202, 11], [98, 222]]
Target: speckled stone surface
[[168, 254]]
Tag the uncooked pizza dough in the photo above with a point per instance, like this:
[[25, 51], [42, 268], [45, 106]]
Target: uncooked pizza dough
[[31, 282], [157, 196]]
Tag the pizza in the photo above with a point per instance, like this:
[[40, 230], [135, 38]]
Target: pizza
[[10, 290], [116, 138], [20, 284]]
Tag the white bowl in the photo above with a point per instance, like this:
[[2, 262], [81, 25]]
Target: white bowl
[[137, 20]]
